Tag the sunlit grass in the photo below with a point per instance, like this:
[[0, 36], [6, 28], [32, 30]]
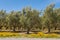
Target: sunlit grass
[[9, 34], [32, 35]]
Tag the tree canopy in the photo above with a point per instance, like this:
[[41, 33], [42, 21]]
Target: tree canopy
[[30, 19]]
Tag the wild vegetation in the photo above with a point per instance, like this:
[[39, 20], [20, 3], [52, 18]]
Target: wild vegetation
[[31, 20], [32, 35]]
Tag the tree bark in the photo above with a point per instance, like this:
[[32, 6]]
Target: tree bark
[[55, 28], [14, 29], [48, 30], [0, 28], [28, 30]]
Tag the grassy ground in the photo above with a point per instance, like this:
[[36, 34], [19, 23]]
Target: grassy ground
[[32, 35]]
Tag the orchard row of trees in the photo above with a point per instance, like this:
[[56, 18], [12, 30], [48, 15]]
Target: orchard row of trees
[[31, 19]]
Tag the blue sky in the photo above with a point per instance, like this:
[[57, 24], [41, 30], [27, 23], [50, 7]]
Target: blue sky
[[9, 5]]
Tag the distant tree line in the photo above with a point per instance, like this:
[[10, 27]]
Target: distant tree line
[[29, 19]]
